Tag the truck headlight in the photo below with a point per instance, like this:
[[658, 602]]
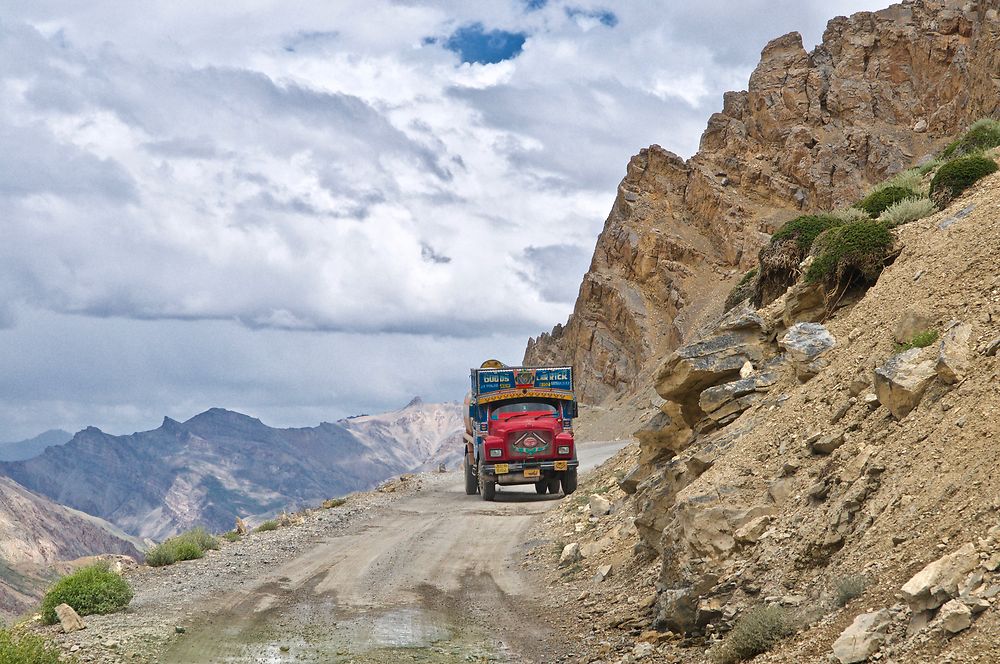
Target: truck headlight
[[496, 453], [563, 449]]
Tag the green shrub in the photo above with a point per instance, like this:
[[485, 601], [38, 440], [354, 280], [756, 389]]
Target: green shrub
[[741, 291], [848, 588], [755, 632], [89, 590], [958, 175], [982, 135], [232, 536], [844, 253], [187, 546], [919, 340], [906, 211], [804, 230], [881, 199], [779, 261], [270, 524], [28, 649]]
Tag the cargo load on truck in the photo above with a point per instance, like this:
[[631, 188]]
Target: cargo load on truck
[[519, 429]]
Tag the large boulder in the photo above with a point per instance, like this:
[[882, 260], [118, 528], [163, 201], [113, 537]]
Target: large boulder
[[901, 381], [916, 319], [692, 368], [805, 345], [955, 616], [953, 353], [723, 403], [862, 638], [939, 581]]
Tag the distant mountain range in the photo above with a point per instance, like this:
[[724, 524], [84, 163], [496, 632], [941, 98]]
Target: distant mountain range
[[221, 464], [25, 449]]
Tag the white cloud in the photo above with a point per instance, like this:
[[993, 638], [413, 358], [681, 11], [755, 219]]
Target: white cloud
[[302, 167]]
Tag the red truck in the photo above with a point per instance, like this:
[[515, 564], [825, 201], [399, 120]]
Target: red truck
[[519, 429]]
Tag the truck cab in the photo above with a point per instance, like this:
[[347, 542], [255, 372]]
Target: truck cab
[[519, 429]]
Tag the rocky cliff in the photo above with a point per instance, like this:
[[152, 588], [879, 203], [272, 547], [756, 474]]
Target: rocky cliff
[[220, 464], [812, 131]]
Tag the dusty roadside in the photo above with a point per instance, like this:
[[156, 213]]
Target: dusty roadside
[[420, 573]]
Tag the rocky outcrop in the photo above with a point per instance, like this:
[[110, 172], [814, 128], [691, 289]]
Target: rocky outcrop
[[811, 132], [902, 380], [862, 638]]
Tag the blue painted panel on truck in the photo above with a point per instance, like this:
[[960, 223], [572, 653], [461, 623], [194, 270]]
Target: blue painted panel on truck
[[487, 381]]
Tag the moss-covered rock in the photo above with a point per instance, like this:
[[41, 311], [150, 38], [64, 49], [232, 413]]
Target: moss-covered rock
[[958, 175], [852, 254], [882, 199], [790, 244]]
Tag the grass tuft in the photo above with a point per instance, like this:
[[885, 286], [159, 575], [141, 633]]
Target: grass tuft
[[755, 632], [232, 536], [848, 588], [89, 590], [187, 546], [919, 340], [906, 211], [268, 525], [29, 649], [884, 197]]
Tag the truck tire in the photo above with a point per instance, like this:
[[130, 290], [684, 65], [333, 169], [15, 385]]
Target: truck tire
[[541, 487], [553, 483], [569, 481], [489, 489], [471, 483]]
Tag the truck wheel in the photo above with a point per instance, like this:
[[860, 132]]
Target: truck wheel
[[489, 489], [553, 483], [569, 481], [541, 486], [471, 484]]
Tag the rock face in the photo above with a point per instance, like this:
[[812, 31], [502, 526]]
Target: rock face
[[806, 344], [862, 638], [953, 353], [811, 132]]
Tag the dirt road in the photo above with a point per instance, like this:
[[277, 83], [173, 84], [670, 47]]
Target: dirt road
[[433, 579]]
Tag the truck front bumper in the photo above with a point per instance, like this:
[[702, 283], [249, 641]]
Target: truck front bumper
[[517, 469]]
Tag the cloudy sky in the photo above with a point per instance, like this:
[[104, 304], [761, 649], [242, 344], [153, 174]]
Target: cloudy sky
[[305, 210]]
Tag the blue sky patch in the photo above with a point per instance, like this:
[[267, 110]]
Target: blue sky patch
[[534, 5], [474, 43], [605, 16]]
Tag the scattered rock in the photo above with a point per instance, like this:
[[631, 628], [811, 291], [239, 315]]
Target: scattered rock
[[603, 572], [570, 554], [992, 348], [901, 381], [938, 582], [599, 505], [805, 344], [862, 638], [827, 444], [953, 353], [751, 532], [179, 630], [955, 616], [69, 619], [916, 319], [643, 650]]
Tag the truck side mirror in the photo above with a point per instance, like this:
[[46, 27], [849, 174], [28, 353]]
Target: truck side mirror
[[569, 409]]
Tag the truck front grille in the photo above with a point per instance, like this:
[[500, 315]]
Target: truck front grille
[[529, 443]]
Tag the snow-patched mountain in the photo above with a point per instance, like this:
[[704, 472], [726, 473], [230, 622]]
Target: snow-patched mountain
[[221, 464]]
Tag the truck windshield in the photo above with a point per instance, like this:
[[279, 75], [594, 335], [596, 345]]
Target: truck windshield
[[510, 409]]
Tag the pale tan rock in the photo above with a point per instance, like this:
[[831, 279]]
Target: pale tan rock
[[938, 582], [69, 619], [599, 505], [862, 638], [901, 381], [751, 532], [916, 319], [953, 353], [570, 554], [955, 616]]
